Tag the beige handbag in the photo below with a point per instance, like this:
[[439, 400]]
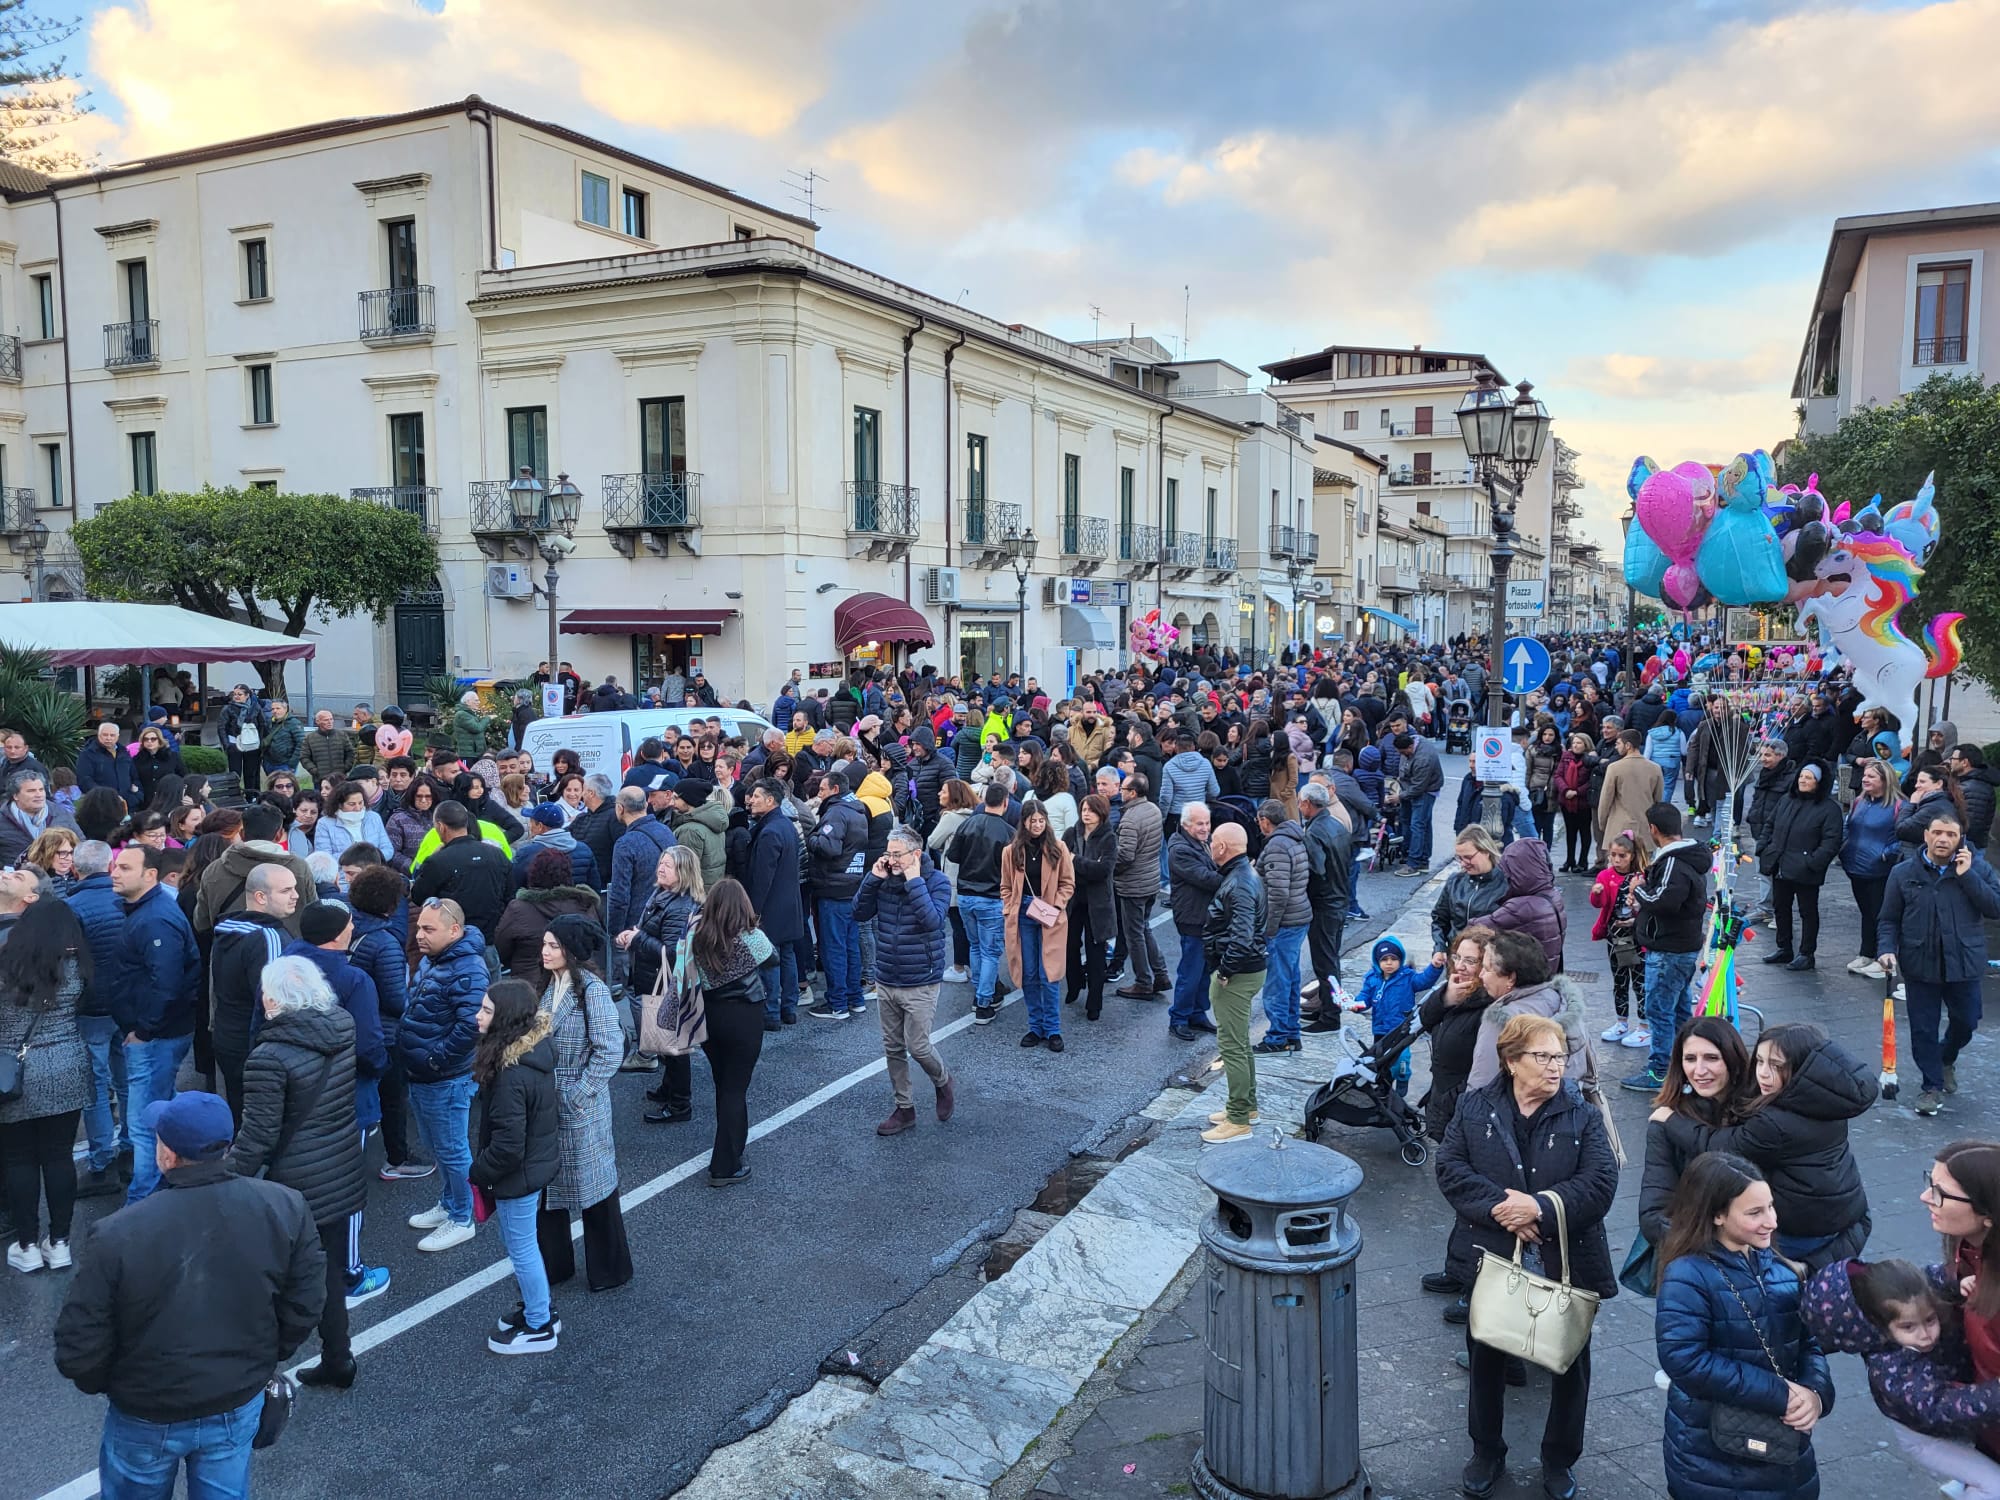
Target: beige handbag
[[1543, 1321]]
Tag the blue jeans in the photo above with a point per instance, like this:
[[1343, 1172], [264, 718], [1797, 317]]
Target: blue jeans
[[1190, 982], [1281, 985], [1668, 1004], [985, 929], [1037, 989], [1417, 812], [442, 1111], [1521, 817], [1957, 1005], [150, 1069], [840, 952], [866, 932], [781, 983], [1354, 875], [138, 1460], [517, 1227], [107, 1082]]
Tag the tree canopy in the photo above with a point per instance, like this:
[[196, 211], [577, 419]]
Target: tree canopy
[[237, 554], [39, 97], [1949, 425]]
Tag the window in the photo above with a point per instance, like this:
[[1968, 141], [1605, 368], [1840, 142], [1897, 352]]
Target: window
[[256, 270], [1209, 518], [1173, 506], [663, 435], [1385, 419], [1421, 463], [596, 200], [867, 445], [145, 466], [137, 302], [45, 303], [52, 466], [745, 232], [528, 440], [406, 303], [975, 467], [1423, 423], [634, 204], [1942, 293], [1350, 421], [1125, 478], [406, 450], [261, 410], [268, 486]]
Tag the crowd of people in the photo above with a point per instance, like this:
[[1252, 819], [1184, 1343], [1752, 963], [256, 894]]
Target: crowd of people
[[452, 952]]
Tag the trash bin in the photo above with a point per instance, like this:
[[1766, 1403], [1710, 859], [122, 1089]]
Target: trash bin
[[1279, 1416]]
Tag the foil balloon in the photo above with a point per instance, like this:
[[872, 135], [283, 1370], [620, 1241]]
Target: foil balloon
[[1681, 585], [1149, 637], [1645, 564], [1680, 660], [1806, 548], [1741, 560], [1674, 506], [1914, 523]]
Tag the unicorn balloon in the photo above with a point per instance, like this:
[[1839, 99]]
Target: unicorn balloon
[[1914, 523], [1871, 578]]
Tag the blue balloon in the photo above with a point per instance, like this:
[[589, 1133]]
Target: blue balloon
[[1741, 561], [1645, 564]]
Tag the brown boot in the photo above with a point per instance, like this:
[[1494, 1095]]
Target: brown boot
[[947, 1101], [899, 1121]]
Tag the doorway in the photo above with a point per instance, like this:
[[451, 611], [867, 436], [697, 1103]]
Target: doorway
[[420, 644], [985, 647]]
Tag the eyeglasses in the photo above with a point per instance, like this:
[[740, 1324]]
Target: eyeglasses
[[1547, 1059], [1932, 1190]]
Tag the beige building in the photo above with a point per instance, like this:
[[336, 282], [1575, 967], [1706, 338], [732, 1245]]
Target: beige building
[[1347, 490], [1901, 298]]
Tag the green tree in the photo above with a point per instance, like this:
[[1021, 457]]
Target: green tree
[[39, 97], [241, 555], [50, 720], [1950, 426]]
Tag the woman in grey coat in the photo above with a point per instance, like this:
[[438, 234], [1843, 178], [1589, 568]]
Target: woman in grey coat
[[589, 1047], [47, 968]]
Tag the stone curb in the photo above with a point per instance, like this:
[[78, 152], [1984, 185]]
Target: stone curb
[[976, 1397]]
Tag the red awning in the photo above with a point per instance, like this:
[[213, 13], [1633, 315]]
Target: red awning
[[645, 621], [877, 617]]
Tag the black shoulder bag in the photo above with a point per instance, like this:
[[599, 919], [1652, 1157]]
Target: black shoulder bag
[[14, 1064], [1742, 1433]]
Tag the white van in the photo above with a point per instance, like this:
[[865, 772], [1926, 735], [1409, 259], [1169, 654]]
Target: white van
[[610, 742]]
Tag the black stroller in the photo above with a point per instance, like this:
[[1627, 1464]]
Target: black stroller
[[1362, 1094], [1458, 729]]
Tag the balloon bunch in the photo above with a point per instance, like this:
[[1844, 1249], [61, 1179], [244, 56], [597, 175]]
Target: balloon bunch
[[1705, 535], [1150, 637]]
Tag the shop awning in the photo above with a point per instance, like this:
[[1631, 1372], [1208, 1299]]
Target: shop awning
[[1088, 628], [89, 634], [877, 617], [1390, 617], [645, 621]]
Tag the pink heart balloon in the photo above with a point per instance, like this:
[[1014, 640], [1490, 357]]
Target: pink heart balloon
[[1674, 508], [1681, 585]]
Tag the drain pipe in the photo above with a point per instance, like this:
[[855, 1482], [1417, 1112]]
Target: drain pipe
[[1160, 494], [950, 350], [909, 339], [69, 394], [477, 112]]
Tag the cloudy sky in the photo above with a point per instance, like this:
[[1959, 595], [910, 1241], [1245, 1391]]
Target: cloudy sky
[[1627, 204]]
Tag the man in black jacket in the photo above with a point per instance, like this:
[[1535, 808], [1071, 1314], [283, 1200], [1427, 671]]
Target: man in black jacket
[[838, 845], [1976, 783], [185, 1358], [1193, 879], [1329, 848], [976, 849], [1673, 907], [597, 826], [465, 869], [1776, 774], [1233, 937], [244, 942], [1933, 935]]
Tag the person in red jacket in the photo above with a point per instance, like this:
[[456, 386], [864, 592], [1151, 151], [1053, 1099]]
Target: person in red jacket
[[1615, 895]]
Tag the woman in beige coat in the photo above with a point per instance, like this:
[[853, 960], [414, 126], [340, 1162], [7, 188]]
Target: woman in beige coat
[[1631, 786], [1037, 864]]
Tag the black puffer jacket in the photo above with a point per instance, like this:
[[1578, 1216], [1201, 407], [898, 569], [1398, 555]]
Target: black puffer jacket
[[1805, 836], [662, 922], [520, 1142], [1233, 936], [1666, 1159], [1799, 1138], [1454, 1034], [1149, 758], [1772, 784], [317, 1141], [1977, 789]]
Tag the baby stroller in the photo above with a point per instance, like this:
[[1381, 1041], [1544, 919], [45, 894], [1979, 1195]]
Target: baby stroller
[[1362, 1094], [1458, 729]]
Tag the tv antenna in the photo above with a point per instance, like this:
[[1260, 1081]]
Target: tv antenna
[[804, 188], [1096, 314]]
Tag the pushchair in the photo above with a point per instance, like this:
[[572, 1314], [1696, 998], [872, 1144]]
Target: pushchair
[[1362, 1094], [1458, 729]]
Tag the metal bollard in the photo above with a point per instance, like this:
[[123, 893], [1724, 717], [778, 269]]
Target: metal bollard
[[1279, 1413]]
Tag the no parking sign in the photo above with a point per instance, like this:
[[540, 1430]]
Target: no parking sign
[[1489, 755]]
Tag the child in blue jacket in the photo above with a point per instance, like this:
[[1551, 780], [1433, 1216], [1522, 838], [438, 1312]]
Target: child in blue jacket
[[1389, 995]]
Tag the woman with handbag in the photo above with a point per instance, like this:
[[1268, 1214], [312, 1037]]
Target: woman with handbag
[[589, 1047], [1749, 1382], [649, 945], [1037, 879], [520, 1151], [1093, 918], [45, 1077], [1528, 1164], [726, 949]]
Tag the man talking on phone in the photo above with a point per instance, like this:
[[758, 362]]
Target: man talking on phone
[[909, 900]]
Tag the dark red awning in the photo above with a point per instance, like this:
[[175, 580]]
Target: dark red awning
[[645, 621], [877, 617]]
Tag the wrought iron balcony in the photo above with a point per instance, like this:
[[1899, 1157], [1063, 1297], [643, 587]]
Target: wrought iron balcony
[[419, 500], [1221, 555], [1945, 351], [1086, 537], [1181, 552], [882, 519], [132, 346], [398, 314], [1284, 541], [492, 508], [655, 508], [17, 510], [990, 529], [1307, 543], [1139, 547], [10, 358]]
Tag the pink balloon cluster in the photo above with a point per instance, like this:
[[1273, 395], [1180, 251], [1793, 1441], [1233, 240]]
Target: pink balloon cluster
[[1150, 636], [1674, 507]]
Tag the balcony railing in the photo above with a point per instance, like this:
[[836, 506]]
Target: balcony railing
[[419, 500], [1946, 351], [1284, 541], [652, 502], [492, 507], [1412, 476], [17, 510], [398, 313], [1307, 543], [132, 346], [1289, 420], [1182, 550], [990, 525], [10, 358], [1418, 430], [1139, 545], [1086, 536], [875, 509], [1221, 555]]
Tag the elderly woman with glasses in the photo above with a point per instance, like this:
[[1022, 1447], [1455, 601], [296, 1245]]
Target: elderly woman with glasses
[[1514, 1146]]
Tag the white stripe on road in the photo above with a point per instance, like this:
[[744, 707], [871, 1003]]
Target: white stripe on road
[[84, 1486]]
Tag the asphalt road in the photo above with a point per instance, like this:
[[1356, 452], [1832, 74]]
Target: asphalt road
[[739, 1293]]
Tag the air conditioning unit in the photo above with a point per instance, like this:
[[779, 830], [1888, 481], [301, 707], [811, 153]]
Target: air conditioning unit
[[941, 586], [509, 581]]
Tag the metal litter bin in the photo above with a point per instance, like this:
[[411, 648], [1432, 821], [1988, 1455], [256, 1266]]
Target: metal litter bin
[[1279, 1414]]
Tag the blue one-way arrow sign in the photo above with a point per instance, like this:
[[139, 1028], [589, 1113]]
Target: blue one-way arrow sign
[[1524, 664]]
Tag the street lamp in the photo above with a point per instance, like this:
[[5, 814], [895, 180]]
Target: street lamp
[[1021, 555], [35, 542], [548, 515], [1499, 431]]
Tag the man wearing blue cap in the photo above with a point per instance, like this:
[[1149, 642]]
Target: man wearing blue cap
[[184, 1359], [548, 829]]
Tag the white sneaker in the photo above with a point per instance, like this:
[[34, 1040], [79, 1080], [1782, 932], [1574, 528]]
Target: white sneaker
[[430, 1218], [55, 1254], [1614, 1032], [1637, 1040], [445, 1236], [1899, 994], [956, 975], [25, 1257], [1857, 966], [1874, 970]]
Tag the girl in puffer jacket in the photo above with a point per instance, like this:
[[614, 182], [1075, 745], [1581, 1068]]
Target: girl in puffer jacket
[[1614, 896], [1919, 1369]]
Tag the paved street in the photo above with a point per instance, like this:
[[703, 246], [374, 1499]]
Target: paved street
[[739, 1295]]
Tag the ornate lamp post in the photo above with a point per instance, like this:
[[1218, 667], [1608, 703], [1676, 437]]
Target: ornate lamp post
[[1021, 551], [548, 516]]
